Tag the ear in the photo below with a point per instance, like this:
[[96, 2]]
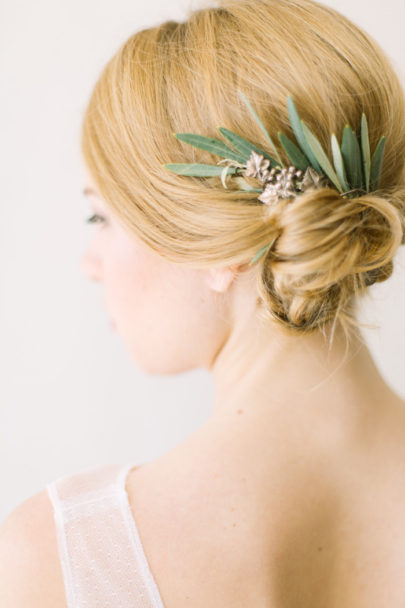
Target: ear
[[220, 279]]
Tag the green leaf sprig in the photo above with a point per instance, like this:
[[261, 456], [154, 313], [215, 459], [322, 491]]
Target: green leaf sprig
[[351, 169]]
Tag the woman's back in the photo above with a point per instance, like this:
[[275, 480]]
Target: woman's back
[[205, 525], [323, 532]]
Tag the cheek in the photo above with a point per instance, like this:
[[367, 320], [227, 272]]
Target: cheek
[[130, 282], [164, 312]]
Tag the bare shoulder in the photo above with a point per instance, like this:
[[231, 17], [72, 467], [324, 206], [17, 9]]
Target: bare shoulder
[[333, 529], [30, 571]]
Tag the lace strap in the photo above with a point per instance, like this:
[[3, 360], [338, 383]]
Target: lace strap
[[102, 558]]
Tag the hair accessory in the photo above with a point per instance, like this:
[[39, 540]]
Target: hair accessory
[[353, 173]]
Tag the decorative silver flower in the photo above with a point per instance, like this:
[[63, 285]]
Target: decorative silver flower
[[257, 166], [312, 179]]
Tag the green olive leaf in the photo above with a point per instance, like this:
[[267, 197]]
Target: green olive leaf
[[261, 125], [211, 144], [245, 186], [259, 254], [297, 158], [338, 162], [352, 158], [197, 169], [320, 156], [376, 165], [365, 149], [244, 146], [299, 135]]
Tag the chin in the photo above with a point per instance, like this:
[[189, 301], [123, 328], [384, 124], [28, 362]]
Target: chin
[[159, 367]]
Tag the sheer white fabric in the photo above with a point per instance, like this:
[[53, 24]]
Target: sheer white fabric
[[102, 558]]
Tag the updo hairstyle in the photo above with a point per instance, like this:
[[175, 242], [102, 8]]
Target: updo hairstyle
[[183, 77]]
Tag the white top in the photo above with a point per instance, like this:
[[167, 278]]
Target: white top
[[102, 558]]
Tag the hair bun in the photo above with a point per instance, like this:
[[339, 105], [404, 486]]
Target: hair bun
[[329, 249]]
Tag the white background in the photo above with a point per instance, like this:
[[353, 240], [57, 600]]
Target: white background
[[70, 398]]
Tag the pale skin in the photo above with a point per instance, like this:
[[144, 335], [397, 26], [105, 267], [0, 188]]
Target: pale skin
[[293, 491]]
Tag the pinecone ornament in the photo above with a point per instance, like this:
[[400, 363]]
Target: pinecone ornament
[[280, 183]]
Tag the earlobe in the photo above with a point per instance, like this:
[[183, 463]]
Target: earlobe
[[220, 279]]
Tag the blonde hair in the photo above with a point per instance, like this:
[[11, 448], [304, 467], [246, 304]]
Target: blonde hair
[[184, 77]]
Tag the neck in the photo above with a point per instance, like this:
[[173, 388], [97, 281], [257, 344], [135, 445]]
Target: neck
[[272, 376]]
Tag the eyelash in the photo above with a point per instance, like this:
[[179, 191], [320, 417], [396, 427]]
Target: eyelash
[[95, 218]]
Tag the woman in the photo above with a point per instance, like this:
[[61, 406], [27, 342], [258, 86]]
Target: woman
[[293, 492]]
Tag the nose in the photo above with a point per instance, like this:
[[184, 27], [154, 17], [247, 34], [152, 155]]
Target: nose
[[90, 266]]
